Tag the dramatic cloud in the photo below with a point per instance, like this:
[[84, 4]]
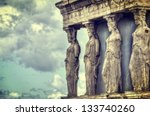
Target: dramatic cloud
[[14, 95], [40, 51], [31, 36], [22, 5], [36, 37], [9, 18], [4, 94], [58, 81], [7, 46], [56, 95]]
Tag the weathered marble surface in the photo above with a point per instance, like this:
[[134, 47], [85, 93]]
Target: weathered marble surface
[[91, 59], [111, 72], [77, 11], [72, 62], [140, 57]]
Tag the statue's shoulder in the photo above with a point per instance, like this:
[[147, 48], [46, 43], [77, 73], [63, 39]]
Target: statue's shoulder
[[118, 36], [141, 31]]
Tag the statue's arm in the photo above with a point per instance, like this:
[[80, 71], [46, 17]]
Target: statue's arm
[[97, 47], [149, 50], [148, 54], [77, 50], [66, 60], [149, 38]]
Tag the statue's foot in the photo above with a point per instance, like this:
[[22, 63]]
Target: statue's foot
[[137, 90], [71, 96], [145, 89]]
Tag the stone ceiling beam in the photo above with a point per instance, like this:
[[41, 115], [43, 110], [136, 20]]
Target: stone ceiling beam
[[75, 12]]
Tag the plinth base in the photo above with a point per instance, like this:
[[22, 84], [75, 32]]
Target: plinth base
[[126, 95]]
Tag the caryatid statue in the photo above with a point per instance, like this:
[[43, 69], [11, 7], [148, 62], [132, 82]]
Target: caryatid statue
[[111, 72], [91, 59], [140, 58], [72, 62]]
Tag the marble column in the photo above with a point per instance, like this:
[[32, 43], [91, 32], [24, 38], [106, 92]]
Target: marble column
[[140, 58], [111, 72], [91, 59], [72, 61]]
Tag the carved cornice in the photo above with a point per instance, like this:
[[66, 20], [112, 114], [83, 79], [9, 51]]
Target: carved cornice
[[79, 11]]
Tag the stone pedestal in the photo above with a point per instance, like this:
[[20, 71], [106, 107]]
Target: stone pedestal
[[126, 95]]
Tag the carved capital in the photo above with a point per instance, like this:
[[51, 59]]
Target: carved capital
[[71, 33], [112, 21], [139, 12], [90, 26], [112, 17], [140, 17]]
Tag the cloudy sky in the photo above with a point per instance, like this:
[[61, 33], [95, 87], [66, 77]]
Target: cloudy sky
[[32, 50]]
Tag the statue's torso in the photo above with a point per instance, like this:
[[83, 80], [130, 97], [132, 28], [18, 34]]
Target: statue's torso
[[70, 53], [140, 39], [113, 44], [90, 49]]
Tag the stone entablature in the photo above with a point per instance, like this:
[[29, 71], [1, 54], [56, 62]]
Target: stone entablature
[[78, 11]]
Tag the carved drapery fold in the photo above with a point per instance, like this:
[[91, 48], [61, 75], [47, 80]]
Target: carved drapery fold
[[140, 57], [111, 72], [72, 62], [91, 59]]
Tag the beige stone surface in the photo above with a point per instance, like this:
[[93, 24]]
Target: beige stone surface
[[111, 72], [78, 11], [139, 67]]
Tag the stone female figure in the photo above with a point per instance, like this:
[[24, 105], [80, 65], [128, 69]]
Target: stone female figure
[[140, 57], [91, 60], [72, 62], [111, 72]]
